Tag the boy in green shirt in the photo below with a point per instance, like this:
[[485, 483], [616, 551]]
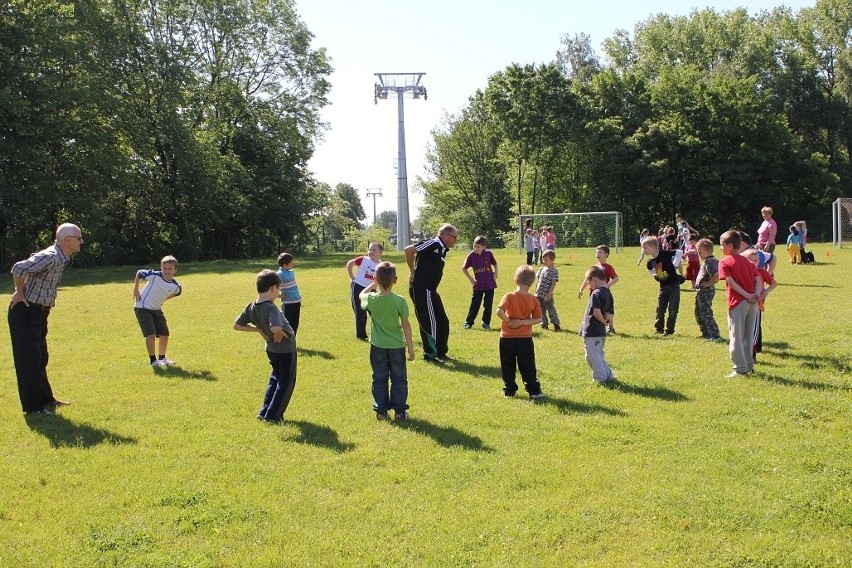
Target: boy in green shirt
[[390, 335]]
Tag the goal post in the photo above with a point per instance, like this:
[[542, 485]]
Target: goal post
[[841, 221], [579, 230]]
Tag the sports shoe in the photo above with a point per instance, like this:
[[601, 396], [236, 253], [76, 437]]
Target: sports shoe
[[400, 415], [544, 326], [166, 362], [42, 412], [537, 397], [735, 374], [556, 328], [157, 363], [467, 325], [381, 415], [486, 326], [436, 359]]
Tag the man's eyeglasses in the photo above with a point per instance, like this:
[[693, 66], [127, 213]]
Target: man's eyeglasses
[[76, 237]]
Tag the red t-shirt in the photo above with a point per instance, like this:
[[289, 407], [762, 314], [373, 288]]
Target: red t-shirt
[[609, 271], [743, 271]]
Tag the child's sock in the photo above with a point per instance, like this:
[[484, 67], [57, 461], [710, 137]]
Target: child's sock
[[152, 358], [162, 357]]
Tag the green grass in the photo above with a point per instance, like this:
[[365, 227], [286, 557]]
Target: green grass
[[680, 466]]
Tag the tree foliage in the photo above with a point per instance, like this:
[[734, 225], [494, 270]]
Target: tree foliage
[[713, 115], [158, 126]]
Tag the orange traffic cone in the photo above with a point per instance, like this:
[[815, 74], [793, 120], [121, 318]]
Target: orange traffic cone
[[827, 253]]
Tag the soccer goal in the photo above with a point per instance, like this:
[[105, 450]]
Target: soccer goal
[[579, 230], [841, 221]]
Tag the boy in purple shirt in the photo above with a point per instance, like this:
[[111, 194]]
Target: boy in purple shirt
[[484, 281]]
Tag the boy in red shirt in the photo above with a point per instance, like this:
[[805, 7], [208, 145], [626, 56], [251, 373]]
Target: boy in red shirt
[[742, 290], [519, 311]]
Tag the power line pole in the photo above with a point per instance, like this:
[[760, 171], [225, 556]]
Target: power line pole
[[375, 192], [401, 84]]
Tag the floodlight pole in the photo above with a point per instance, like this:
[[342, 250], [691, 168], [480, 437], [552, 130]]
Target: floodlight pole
[[375, 192], [410, 84]]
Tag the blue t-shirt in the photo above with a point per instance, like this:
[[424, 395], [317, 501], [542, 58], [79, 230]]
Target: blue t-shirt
[[289, 289]]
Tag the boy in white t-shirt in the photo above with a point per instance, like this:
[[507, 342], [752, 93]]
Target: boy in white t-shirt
[[362, 273], [160, 286]]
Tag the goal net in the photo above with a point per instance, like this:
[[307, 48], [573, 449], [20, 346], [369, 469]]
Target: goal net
[[579, 230], [841, 221]]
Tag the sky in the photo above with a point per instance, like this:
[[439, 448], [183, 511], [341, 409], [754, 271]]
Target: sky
[[458, 44]]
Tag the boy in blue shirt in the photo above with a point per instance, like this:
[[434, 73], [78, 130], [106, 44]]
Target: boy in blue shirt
[[291, 300]]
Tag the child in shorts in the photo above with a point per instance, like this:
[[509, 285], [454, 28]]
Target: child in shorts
[[160, 286]]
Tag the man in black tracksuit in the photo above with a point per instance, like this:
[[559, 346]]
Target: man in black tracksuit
[[426, 261]]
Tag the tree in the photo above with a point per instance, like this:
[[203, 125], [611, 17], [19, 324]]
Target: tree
[[387, 220], [577, 57], [350, 206], [157, 125], [467, 181], [535, 110]]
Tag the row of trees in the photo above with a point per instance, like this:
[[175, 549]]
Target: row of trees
[[713, 115], [186, 126], [158, 125]]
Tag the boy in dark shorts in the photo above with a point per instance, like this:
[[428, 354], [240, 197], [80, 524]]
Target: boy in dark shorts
[[160, 286]]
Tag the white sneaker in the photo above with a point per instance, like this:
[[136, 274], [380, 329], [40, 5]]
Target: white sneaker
[[166, 362], [157, 363]]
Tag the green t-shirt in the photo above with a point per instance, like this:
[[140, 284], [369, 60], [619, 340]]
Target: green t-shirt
[[385, 315]]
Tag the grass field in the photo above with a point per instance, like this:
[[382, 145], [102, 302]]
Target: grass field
[[679, 466]]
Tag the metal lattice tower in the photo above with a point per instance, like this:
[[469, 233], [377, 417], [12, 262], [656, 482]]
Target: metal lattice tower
[[401, 84]]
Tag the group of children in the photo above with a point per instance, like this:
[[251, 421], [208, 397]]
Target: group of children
[[748, 276], [796, 242], [538, 240], [747, 273]]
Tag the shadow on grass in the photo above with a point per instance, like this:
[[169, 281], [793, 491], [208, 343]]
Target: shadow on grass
[[472, 369], [320, 436], [813, 362], [660, 393], [64, 433], [445, 436], [180, 373], [315, 353], [802, 384], [807, 285], [566, 406]]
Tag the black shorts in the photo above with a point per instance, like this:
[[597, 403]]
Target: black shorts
[[152, 322]]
